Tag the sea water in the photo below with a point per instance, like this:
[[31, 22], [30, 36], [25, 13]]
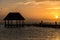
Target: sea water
[[29, 33]]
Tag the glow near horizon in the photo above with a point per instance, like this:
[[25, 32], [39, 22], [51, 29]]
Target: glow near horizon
[[33, 9]]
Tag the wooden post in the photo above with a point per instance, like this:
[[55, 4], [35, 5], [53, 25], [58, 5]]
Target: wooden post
[[11, 24], [8, 24], [16, 23], [23, 23], [5, 23], [19, 23]]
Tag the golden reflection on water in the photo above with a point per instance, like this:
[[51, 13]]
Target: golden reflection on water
[[56, 35], [30, 33]]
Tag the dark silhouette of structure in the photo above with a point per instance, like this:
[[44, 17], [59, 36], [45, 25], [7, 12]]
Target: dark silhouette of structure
[[14, 19], [55, 23]]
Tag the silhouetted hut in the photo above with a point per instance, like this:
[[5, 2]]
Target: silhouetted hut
[[14, 19]]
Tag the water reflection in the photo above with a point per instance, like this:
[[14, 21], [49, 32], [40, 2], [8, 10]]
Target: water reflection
[[29, 33], [55, 36]]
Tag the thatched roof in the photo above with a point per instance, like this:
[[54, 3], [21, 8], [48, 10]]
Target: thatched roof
[[14, 16]]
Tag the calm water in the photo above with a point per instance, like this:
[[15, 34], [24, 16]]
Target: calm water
[[29, 33]]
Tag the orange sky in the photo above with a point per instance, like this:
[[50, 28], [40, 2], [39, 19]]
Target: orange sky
[[33, 9]]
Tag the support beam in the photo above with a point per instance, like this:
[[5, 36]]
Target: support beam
[[11, 24], [16, 23], [5, 23], [8, 23], [22, 22], [19, 23]]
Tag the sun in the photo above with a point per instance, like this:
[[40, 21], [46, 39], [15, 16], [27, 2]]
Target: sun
[[56, 17]]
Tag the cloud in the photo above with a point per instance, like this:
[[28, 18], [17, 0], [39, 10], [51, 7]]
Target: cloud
[[41, 3], [40, 0], [54, 8], [38, 3], [28, 3], [46, 0]]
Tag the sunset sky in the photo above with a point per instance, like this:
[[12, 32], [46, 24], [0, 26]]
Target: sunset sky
[[35, 9]]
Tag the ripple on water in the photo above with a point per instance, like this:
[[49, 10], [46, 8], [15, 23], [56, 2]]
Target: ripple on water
[[29, 33]]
